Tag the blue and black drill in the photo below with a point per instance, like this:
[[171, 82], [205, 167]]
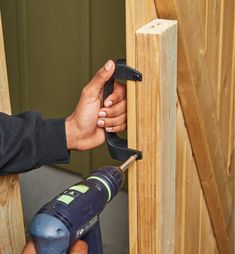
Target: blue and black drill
[[74, 214]]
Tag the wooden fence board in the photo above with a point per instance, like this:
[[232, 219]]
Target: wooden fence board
[[136, 17], [156, 129], [193, 233], [12, 236]]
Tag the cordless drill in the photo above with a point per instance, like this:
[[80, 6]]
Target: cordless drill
[[74, 214]]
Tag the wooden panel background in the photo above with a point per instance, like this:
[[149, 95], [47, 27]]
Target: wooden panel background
[[206, 93], [205, 135], [194, 233]]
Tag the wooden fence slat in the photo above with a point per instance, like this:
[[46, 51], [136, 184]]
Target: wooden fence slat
[[156, 46], [193, 233], [138, 13], [12, 236]]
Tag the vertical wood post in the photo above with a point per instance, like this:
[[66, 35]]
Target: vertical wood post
[[136, 17], [12, 236], [156, 46]]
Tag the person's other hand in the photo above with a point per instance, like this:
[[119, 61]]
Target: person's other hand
[[85, 127], [79, 248]]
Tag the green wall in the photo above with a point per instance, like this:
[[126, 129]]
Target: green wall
[[53, 47]]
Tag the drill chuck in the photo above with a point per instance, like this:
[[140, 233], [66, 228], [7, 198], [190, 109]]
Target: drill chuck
[[112, 179]]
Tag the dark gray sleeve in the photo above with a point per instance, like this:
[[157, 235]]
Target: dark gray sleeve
[[27, 141]]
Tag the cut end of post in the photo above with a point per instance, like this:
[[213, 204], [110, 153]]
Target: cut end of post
[[157, 26]]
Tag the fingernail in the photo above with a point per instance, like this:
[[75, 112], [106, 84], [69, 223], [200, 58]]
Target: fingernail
[[108, 129], [108, 65], [108, 103], [102, 114], [100, 123]]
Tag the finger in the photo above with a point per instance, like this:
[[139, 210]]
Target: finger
[[119, 128], [101, 77], [119, 93], [79, 248], [29, 248], [112, 122], [114, 110]]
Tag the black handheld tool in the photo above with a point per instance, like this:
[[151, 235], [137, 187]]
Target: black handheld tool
[[74, 213], [117, 146]]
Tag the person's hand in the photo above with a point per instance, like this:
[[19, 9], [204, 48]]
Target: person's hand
[[79, 248], [85, 127]]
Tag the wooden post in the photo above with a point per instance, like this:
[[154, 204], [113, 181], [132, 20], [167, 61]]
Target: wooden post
[[136, 17], [156, 128], [12, 236]]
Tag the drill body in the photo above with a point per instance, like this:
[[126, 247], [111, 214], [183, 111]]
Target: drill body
[[74, 214]]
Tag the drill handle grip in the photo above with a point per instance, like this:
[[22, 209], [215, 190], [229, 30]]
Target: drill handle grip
[[93, 239]]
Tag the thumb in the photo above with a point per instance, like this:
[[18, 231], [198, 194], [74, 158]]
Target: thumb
[[101, 77], [29, 248], [79, 247]]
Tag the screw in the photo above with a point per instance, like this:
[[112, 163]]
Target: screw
[[137, 77]]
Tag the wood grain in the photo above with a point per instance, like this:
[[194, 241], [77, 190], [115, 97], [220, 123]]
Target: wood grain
[[205, 91], [193, 233], [136, 17], [156, 129], [205, 241], [12, 237]]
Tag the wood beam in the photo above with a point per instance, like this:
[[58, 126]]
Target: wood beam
[[138, 13], [156, 46], [12, 236]]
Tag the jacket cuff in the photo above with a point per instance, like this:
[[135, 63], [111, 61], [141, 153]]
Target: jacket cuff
[[53, 146]]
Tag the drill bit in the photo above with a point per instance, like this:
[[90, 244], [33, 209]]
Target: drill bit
[[128, 163]]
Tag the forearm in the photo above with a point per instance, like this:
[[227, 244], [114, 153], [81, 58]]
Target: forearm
[[27, 141]]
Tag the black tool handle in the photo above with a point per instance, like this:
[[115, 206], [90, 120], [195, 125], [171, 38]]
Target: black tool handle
[[117, 146]]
